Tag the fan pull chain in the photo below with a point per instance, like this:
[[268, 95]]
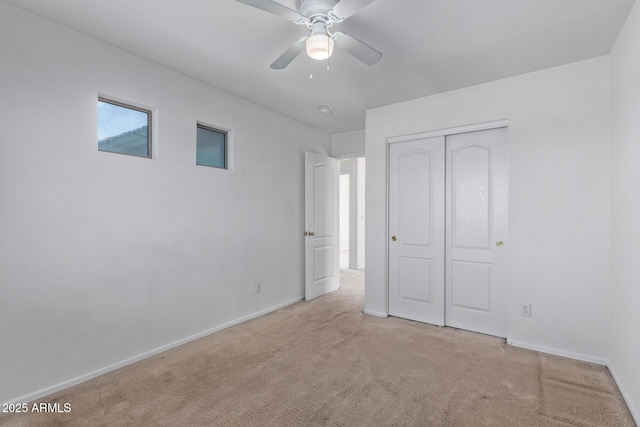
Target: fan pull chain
[[310, 68]]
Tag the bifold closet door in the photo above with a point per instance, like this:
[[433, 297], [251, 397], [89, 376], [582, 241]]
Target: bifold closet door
[[477, 215], [416, 230]]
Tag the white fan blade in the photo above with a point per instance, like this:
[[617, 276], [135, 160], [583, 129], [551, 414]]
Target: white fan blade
[[355, 47], [275, 8], [290, 54], [346, 8]]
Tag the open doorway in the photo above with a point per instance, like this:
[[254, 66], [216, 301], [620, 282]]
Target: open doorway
[[352, 218], [345, 209]]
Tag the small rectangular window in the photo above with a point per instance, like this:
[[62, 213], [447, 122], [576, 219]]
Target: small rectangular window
[[123, 129], [211, 147]]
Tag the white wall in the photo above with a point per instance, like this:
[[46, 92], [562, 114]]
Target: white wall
[[559, 226], [106, 257], [625, 243], [345, 184], [348, 145], [360, 220]]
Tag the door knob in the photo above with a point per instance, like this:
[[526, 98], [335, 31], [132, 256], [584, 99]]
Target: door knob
[[311, 233], [394, 238], [499, 243]]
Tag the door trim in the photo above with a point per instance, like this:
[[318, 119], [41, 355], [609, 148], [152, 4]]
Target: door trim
[[429, 134], [446, 132]]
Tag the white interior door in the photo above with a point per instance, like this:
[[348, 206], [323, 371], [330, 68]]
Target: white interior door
[[322, 232], [448, 215], [477, 204], [416, 230]]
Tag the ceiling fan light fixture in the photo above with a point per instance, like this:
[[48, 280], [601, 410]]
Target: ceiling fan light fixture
[[318, 16], [319, 44]]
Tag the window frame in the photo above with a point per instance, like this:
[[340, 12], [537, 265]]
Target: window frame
[[226, 133], [129, 106]]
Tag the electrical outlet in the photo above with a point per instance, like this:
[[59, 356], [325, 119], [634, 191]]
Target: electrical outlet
[[525, 310], [258, 286]]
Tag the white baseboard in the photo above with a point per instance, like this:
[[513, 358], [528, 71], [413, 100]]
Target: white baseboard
[[557, 352], [634, 410], [82, 378], [374, 313]]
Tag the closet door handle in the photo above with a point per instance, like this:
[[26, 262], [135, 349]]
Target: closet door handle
[[394, 238], [499, 243]]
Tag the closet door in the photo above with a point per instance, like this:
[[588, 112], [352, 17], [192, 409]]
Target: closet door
[[416, 230], [476, 227]]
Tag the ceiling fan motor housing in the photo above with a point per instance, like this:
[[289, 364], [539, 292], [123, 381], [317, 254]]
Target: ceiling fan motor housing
[[311, 8], [319, 16]]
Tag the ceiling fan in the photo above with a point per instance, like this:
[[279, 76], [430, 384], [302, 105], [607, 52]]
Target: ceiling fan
[[319, 16]]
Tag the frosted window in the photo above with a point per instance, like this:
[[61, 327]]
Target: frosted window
[[211, 147], [123, 129]]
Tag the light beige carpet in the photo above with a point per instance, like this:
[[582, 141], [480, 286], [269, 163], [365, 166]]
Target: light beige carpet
[[323, 362]]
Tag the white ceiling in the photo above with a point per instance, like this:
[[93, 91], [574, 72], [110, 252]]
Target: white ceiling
[[429, 46]]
